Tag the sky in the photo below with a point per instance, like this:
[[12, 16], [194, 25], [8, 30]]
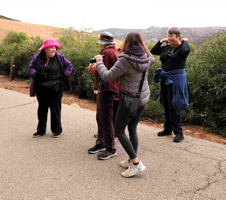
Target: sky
[[128, 14]]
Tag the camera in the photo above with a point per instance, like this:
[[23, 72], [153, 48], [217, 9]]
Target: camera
[[93, 60]]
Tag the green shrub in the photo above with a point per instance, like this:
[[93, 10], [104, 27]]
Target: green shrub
[[23, 52], [78, 47], [150, 45], [192, 48], [14, 37], [206, 75], [154, 109]]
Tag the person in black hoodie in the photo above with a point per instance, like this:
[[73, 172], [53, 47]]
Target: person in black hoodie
[[173, 76]]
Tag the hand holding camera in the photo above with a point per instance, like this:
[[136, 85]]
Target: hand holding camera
[[92, 65], [97, 58]]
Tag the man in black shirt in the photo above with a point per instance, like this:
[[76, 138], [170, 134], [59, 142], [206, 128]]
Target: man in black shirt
[[173, 57]]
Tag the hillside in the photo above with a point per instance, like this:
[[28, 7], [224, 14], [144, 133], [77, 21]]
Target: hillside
[[154, 33], [32, 30], [3, 17]]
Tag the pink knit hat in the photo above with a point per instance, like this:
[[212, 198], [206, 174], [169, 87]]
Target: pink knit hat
[[49, 43]]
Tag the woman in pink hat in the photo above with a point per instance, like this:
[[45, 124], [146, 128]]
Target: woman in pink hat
[[49, 71]]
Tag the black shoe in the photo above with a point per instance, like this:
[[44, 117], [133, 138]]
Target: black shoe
[[38, 134], [96, 149], [179, 137], [164, 133], [106, 155], [56, 135]]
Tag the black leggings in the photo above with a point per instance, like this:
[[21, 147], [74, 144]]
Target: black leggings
[[129, 144]]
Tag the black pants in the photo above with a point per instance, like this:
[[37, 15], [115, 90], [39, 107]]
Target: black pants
[[121, 121], [48, 98], [115, 108], [172, 119], [104, 117]]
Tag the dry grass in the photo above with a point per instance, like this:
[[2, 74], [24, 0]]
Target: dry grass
[[33, 30]]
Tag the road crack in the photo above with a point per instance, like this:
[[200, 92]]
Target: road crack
[[25, 104]]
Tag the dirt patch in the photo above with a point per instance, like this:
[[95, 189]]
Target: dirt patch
[[20, 85]]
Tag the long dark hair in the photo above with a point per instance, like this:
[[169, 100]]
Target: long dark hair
[[133, 39]]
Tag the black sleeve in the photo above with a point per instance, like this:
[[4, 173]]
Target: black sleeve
[[157, 49], [185, 48]]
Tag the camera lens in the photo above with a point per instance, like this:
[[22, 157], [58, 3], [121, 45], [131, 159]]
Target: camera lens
[[92, 60]]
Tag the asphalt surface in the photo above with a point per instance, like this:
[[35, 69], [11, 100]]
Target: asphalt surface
[[48, 168]]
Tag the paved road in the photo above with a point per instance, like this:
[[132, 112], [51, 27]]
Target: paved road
[[50, 168]]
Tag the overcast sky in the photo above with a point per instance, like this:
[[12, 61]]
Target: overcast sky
[[102, 14]]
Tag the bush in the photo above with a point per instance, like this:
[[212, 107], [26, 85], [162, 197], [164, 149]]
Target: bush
[[206, 75], [23, 51], [192, 48], [78, 47], [14, 37], [154, 109]]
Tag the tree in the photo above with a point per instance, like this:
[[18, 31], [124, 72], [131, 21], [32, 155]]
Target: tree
[[15, 37]]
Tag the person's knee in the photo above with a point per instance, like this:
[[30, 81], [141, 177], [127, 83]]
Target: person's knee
[[119, 132], [132, 128]]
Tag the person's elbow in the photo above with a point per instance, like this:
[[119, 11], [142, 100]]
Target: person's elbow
[[152, 52], [107, 77], [186, 52]]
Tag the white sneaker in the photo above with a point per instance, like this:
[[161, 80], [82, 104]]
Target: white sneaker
[[125, 164], [134, 169]]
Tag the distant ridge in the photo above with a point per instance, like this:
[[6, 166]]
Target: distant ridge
[[3, 17], [155, 33]]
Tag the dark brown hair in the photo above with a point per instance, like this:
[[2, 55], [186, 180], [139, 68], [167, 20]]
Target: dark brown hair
[[174, 30], [133, 39]]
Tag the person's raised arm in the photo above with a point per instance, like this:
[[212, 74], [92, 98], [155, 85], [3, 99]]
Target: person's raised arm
[[185, 47], [158, 49], [112, 74]]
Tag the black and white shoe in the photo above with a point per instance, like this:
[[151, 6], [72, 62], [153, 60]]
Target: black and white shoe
[[96, 149], [106, 155], [38, 134], [56, 135]]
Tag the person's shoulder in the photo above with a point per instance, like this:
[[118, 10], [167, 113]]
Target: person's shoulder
[[59, 54], [35, 56], [109, 49], [122, 57]]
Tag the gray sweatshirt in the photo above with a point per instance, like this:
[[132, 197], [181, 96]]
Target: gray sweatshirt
[[128, 70]]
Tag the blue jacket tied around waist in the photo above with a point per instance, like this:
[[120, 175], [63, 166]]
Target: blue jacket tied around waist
[[179, 87]]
